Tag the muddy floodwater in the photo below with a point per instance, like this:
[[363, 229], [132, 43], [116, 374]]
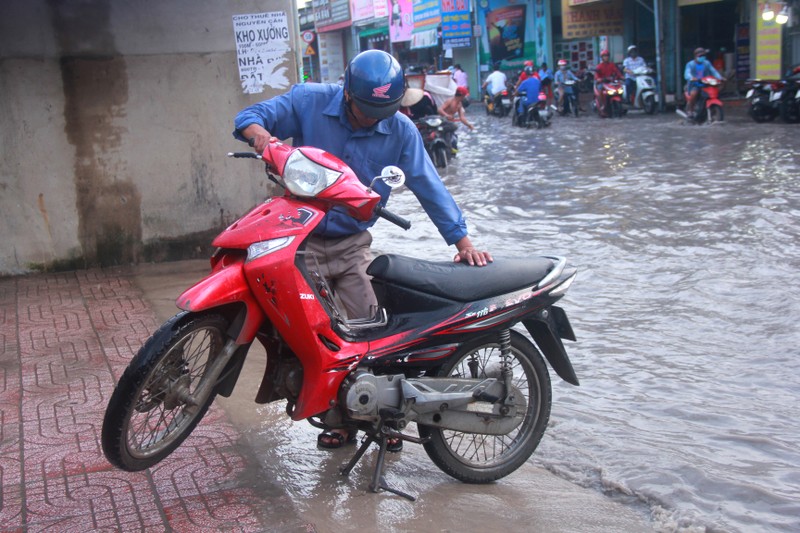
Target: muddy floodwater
[[687, 241], [686, 306]]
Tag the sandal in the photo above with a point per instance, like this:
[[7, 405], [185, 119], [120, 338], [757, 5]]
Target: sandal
[[332, 440]]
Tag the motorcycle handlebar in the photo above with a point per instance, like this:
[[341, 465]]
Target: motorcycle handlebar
[[391, 217]]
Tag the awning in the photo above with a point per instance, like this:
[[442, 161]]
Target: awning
[[369, 32]]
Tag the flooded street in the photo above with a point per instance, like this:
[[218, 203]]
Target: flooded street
[[687, 241]]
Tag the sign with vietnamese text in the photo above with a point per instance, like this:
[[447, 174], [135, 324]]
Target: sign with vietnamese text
[[592, 20], [331, 15], [456, 24], [262, 44], [768, 48]]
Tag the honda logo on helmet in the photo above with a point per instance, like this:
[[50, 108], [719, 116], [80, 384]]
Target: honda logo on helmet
[[380, 92]]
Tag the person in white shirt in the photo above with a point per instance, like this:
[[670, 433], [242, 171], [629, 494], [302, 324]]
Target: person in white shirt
[[629, 65], [495, 82]]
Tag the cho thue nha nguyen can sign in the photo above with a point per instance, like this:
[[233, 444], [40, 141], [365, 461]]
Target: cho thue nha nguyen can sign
[[262, 48]]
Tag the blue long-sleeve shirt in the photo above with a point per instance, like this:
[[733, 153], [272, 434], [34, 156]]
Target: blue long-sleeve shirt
[[699, 69], [314, 115]]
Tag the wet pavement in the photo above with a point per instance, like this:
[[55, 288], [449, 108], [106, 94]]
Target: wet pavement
[[67, 337], [574, 188]]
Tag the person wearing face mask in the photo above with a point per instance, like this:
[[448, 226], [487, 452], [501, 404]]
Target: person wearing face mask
[[629, 65], [696, 70]]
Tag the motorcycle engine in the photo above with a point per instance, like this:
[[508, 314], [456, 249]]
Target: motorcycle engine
[[364, 394]]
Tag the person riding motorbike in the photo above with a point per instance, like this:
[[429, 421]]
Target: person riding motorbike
[[546, 77], [495, 82], [359, 124], [696, 70], [562, 74], [629, 65], [605, 70], [453, 108], [531, 87]]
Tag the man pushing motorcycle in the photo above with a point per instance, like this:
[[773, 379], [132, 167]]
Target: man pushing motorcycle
[[358, 123]]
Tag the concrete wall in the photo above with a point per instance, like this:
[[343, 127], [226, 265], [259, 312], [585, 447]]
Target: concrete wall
[[115, 118]]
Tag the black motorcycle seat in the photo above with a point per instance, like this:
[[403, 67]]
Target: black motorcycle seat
[[459, 281]]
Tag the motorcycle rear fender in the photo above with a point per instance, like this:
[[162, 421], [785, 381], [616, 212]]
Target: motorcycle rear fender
[[224, 287], [713, 101], [547, 328]]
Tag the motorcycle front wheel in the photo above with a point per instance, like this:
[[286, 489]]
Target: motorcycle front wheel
[[649, 104], [715, 114], [154, 407], [478, 458]]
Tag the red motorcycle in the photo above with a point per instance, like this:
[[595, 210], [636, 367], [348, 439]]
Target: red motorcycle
[[708, 106], [613, 90], [438, 352]]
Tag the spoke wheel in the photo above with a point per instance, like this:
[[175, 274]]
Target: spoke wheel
[[478, 458], [155, 405]]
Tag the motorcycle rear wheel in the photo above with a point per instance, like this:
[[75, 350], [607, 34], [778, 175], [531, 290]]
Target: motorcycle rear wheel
[[477, 458], [148, 416], [440, 157]]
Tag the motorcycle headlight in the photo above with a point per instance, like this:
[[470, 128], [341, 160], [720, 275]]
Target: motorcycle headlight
[[749, 93], [433, 122], [260, 249], [304, 177]]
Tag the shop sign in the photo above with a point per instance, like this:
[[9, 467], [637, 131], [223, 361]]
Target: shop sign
[[456, 24], [427, 13], [331, 15], [768, 48], [591, 20], [362, 10]]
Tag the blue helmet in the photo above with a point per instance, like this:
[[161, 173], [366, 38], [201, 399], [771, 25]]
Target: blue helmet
[[376, 83]]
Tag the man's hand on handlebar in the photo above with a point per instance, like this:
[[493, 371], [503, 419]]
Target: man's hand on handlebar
[[258, 137]]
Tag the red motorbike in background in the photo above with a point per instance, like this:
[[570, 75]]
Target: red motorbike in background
[[439, 351], [613, 90], [708, 106]]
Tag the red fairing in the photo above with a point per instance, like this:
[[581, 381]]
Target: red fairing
[[347, 192], [225, 285], [276, 218]]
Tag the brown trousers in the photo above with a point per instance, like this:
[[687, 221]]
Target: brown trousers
[[343, 263]]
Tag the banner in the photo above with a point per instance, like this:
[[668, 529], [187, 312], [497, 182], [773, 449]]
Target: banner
[[742, 51], [591, 20], [768, 48], [456, 24], [262, 42], [506, 31], [522, 37], [401, 21]]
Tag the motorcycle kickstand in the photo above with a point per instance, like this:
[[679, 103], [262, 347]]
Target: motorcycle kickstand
[[378, 479]]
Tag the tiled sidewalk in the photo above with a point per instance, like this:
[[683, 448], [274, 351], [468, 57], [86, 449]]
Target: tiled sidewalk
[[64, 341]]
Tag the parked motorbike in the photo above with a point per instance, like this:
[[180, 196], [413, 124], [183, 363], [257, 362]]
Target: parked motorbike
[[439, 138], [614, 90], [570, 88], [708, 106], [537, 114], [439, 351], [764, 99], [645, 96], [789, 99]]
